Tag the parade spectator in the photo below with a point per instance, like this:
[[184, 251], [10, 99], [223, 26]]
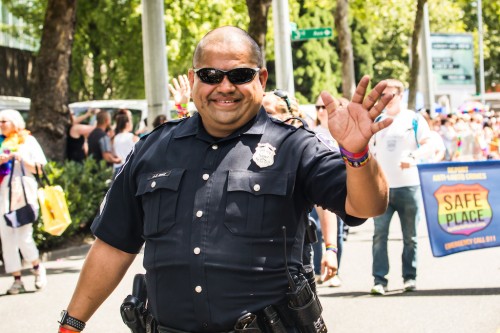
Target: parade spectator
[[160, 119], [336, 240], [76, 140], [17, 143], [450, 137], [209, 196], [100, 147], [124, 140], [181, 93], [436, 142], [465, 139], [398, 149], [278, 104]]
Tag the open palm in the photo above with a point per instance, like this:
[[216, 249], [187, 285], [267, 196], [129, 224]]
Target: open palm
[[353, 126]]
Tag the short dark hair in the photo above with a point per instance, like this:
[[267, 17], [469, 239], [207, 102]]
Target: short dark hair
[[256, 51], [102, 116], [160, 119]]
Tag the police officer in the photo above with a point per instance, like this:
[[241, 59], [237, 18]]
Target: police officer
[[209, 195]]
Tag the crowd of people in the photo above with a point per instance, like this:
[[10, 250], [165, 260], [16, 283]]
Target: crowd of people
[[473, 136]]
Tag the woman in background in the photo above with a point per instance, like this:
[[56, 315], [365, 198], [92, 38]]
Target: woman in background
[[76, 148], [123, 140], [18, 144]]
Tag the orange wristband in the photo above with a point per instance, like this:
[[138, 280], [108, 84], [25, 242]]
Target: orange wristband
[[65, 330]]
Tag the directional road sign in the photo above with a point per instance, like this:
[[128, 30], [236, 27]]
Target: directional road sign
[[311, 33]]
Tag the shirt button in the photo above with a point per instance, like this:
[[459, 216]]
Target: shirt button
[[206, 176], [199, 213], [153, 184], [198, 289], [196, 250], [256, 187], [215, 147]]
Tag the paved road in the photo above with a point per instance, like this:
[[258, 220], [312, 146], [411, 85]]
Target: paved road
[[457, 293]]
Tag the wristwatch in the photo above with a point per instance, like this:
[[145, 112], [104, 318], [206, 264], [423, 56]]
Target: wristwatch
[[66, 319]]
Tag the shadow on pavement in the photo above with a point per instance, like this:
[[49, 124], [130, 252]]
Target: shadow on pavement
[[50, 271], [422, 293]]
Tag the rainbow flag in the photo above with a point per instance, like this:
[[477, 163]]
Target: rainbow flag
[[459, 202]]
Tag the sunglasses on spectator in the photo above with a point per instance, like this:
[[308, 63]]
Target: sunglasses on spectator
[[235, 76], [383, 94], [281, 94], [319, 107]]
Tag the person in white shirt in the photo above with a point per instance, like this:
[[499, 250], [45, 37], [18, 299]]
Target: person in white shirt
[[397, 149], [124, 140]]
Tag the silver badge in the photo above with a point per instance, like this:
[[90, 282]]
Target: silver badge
[[264, 155]]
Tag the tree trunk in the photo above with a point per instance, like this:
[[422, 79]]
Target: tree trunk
[[415, 55], [49, 113], [257, 28], [345, 45]]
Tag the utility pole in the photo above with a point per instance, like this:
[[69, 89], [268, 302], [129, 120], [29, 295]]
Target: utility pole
[[426, 84], [155, 59], [283, 46], [481, 55]]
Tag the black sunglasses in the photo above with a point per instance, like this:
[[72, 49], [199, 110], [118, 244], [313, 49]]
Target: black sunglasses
[[319, 107], [235, 76], [283, 95]]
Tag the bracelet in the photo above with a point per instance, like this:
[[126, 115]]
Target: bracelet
[[182, 110], [332, 248], [355, 160], [181, 107], [65, 330]]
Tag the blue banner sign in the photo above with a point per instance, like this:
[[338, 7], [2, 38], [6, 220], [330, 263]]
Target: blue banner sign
[[460, 201]]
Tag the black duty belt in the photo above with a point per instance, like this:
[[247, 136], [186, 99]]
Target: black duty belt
[[163, 329]]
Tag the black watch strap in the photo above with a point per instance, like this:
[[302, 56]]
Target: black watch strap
[[66, 319]]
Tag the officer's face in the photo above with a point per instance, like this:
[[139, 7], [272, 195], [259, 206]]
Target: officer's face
[[225, 106]]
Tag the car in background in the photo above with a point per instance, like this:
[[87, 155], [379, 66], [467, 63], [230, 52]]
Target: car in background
[[21, 104], [138, 108]]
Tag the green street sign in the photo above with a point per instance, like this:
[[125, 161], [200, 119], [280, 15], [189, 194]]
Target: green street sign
[[312, 33]]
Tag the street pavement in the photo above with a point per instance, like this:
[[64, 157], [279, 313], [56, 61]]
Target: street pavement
[[457, 293]]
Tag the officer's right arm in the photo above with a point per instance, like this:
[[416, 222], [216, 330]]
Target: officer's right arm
[[103, 269]]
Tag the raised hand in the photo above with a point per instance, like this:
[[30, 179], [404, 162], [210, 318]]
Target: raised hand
[[180, 89], [354, 125]]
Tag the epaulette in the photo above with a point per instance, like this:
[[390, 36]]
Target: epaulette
[[291, 119], [165, 124]]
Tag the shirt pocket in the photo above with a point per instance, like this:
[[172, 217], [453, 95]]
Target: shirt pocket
[[257, 203], [159, 192]]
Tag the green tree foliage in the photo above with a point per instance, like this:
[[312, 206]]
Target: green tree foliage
[[188, 20], [107, 57], [316, 61], [491, 37]]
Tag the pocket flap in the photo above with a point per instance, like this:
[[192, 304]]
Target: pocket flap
[[166, 179], [257, 183]]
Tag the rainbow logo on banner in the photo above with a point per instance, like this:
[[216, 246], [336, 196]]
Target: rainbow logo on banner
[[463, 209], [460, 199]]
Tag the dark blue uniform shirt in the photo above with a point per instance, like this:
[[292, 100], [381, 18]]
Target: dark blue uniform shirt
[[211, 217]]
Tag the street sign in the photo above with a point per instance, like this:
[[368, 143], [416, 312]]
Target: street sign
[[453, 60], [311, 33]]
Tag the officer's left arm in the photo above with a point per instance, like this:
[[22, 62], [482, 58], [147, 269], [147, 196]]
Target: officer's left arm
[[352, 127]]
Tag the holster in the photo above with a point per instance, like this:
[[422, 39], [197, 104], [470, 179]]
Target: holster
[[247, 324]]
